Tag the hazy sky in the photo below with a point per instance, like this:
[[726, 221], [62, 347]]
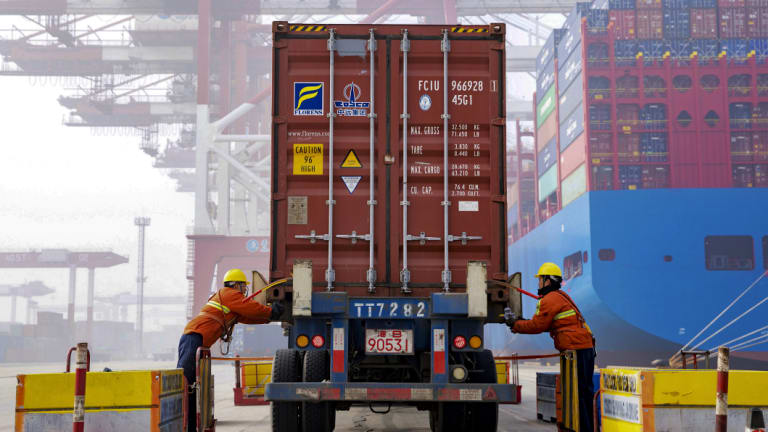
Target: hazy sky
[[65, 187]]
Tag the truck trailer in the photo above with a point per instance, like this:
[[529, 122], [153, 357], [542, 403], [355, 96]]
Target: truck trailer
[[388, 216]]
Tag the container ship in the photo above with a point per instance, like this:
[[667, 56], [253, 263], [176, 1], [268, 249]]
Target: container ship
[[645, 176]]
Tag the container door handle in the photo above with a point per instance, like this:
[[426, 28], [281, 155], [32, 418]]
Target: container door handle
[[463, 238], [313, 236]]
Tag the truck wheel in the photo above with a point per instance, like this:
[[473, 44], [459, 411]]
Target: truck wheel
[[286, 416], [483, 417], [451, 417], [317, 417]]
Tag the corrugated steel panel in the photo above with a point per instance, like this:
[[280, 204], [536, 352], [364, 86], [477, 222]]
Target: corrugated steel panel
[[547, 156], [546, 132], [600, 117], [545, 79], [569, 70], [759, 47], [573, 156], [628, 148], [650, 24], [623, 23], [302, 165], [548, 183], [602, 177], [649, 4], [546, 107], [622, 4], [549, 50], [574, 185], [572, 127], [601, 148], [706, 49], [571, 98], [701, 4], [731, 3], [677, 23], [757, 22], [598, 88], [625, 52], [704, 23], [756, 3], [733, 22]]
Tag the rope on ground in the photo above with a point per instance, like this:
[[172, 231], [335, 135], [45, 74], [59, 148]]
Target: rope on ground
[[727, 308]]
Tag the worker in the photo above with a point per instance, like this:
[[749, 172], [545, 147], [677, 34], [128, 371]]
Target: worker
[[216, 320], [557, 313]]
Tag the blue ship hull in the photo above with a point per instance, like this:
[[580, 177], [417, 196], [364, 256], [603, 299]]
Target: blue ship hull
[[649, 291]]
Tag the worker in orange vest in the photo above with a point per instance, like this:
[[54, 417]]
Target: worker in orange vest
[[216, 320], [557, 313]]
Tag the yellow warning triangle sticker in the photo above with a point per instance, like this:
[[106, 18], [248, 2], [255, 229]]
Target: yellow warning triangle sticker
[[351, 160]]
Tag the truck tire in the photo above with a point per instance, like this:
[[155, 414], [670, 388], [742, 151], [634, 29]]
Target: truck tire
[[484, 416], [317, 417], [451, 417], [286, 416]]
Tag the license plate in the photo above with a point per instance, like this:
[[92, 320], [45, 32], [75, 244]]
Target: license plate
[[388, 341]]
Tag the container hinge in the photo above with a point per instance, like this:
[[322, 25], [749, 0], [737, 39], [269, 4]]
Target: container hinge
[[332, 40], [354, 237], [463, 238], [499, 121], [445, 44], [313, 236], [278, 119], [405, 45], [422, 238]]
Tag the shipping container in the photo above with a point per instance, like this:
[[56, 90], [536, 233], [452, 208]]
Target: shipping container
[[731, 3], [545, 79], [760, 145], [546, 107], [653, 147], [571, 127], [706, 49], [628, 147], [756, 3], [759, 47], [703, 4], [547, 156], [704, 23], [650, 24], [601, 148], [598, 55], [649, 4], [569, 69], [599, 117], [622, 4], [574, 185], [599, 88], [549, 50], [740, 115], [623, 23], [602, 176], [677, 23], [627, 117], [733, 22], [548, 183], [742, 149], [303, 95], [571, 97], [757, 22], [546, 132], [676, 4], [573, 156], [627, 86], [654, 116]]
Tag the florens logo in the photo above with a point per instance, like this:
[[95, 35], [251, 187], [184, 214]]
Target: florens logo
[[308, 98]]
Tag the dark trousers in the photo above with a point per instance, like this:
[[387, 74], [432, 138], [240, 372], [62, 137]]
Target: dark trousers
[[585, 365], [188, 345]]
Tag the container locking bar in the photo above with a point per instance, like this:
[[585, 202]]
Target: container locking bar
[[371, 273], [330, 275], [422, 238], [405, 274], [445, 47]]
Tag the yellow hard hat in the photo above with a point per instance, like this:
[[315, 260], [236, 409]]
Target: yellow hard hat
[[235, 275], [549, 269]]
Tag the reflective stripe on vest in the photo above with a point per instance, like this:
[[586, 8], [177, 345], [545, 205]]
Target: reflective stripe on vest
[[218, 306], [566, 314], [538, 306]]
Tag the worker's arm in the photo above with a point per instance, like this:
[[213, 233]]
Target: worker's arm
[[540, 321], [250, 312]]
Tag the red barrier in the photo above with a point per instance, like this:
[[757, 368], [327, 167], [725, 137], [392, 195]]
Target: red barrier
[[83, 364], [721, 407]]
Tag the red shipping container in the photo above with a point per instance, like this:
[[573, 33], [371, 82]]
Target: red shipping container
[[757, 22], [627, 117], [760, 145], [601, 148], [650, 23], [741, 147], [757, 3], [733, 22], [704, 23], [546, 132], [623, 24], [628, 147], [730, 3], [648, 4], [573, 156], [301, 186]]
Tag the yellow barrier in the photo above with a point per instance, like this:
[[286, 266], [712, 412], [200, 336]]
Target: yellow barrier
[[128, 400], [255, 376], [637, 399]]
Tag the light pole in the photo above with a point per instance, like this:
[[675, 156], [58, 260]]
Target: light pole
[[142, 223]]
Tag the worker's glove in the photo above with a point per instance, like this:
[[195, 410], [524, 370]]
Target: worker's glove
[[510, 318], [277, 310]]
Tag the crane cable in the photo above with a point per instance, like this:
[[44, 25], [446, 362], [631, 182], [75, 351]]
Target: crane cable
[[743, 293]]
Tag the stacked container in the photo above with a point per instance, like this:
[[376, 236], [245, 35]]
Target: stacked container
[[653, 94]]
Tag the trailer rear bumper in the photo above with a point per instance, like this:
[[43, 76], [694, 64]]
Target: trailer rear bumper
[[393, 392]]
